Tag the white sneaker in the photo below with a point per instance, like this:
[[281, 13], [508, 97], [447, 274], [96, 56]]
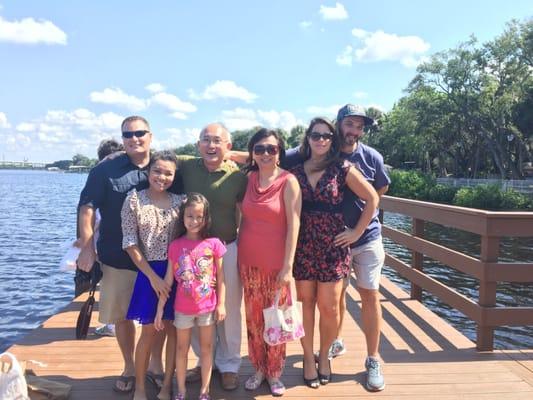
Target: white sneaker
[[336, 349], [374, 376], [105, 330]]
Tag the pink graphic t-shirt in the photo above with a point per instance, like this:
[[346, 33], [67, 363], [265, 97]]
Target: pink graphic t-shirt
[[195, 271]]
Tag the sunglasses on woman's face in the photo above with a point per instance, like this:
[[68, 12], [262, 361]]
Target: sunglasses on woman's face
[[130, 134], [260, 149], [316, 136]]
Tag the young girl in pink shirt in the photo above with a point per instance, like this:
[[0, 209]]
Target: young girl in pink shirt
[[195, 262]]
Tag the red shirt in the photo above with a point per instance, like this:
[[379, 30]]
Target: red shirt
[[264, 224]]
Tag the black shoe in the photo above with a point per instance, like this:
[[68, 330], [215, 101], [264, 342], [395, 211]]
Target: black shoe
[[313, 383], [325, 378]]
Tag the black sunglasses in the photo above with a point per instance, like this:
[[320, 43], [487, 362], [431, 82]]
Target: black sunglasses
[[316, 136], [272, 150], [130, 134]]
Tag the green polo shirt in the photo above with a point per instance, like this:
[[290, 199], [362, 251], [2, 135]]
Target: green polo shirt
[[223, 188]]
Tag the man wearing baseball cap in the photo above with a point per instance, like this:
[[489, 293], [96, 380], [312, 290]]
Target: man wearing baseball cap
[[367, 251]]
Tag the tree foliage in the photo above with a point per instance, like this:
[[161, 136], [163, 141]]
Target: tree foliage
[[187, 150], [468, 111]]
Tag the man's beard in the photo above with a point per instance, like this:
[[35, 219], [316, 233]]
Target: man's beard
[[350, 140]]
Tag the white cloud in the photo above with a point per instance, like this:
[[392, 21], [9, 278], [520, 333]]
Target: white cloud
[[4, 124], [360, 95], [25, 127], [155, 87], [239, 118], [326, 111], [226, 90], [18, 140], [305, 24], [174, 137], [178, 115], [334, 13], [30, 31], [60, 134], [246, 118], [381, 46], [172, 103], [117, 97], [345, 58], [274, 119]]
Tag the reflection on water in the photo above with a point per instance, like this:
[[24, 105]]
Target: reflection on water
[[38, 215], [508, 294]]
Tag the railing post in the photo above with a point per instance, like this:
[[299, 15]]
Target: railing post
[[417, 258], [490, 248]]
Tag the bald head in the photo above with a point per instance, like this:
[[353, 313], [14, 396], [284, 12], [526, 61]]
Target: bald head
[[216, 129], [213, 144]]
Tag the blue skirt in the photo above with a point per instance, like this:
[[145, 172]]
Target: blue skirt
[[143, 303]]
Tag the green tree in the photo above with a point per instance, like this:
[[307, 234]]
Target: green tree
[[295, 136], [187, 150], [468, 111], [81, 160]]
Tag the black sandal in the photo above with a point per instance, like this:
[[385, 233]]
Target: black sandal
[[313, 383], [325, 378]]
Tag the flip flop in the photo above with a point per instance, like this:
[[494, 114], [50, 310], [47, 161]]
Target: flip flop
[[155, 379], [129, 384]]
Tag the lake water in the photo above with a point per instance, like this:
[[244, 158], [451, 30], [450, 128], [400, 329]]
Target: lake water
[[38, 214]]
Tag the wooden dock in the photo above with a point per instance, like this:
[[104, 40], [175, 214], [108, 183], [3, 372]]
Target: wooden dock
[[425, 358]]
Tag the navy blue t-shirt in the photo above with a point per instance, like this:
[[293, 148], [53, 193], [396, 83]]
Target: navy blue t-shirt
[[370, 163], [106, 188]]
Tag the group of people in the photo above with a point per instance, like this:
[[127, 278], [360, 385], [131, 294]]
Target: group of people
[[183, 239]]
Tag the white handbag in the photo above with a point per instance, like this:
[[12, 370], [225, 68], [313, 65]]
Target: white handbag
[[282, 323], [12, 381]]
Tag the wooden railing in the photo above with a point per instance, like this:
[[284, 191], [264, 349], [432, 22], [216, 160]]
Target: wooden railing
[[491, 226]]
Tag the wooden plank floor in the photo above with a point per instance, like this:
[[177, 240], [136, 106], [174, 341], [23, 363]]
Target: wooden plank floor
[[425, 358]]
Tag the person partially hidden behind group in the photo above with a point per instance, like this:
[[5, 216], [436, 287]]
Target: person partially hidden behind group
[[267, 243], [195, 263]]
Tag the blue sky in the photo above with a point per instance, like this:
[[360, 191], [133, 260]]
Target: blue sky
[[70, 71]]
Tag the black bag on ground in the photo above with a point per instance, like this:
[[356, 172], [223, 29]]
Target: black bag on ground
[[86, 312], [84, 319]]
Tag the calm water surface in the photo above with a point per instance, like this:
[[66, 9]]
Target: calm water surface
[[38, 215]]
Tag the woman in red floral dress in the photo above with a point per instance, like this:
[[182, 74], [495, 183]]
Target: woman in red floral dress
[[320, 265]]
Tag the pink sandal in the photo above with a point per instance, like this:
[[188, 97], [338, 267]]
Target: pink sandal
[[253, 382], [277, 388]]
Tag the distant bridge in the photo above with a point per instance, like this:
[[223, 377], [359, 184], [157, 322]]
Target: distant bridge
[[21, 165]]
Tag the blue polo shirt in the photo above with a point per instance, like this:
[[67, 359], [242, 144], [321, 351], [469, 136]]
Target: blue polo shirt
[[370, 163], [106, 188]]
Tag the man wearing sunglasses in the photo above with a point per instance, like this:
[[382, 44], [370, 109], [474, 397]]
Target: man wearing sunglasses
[[105, 190], [224, 185]]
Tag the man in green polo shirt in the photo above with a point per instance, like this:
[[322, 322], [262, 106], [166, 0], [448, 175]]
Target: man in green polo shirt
[[224, 185]]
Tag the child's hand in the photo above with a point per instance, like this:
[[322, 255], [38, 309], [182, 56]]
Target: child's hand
[[220, 313], [161, 288], [158, 322]]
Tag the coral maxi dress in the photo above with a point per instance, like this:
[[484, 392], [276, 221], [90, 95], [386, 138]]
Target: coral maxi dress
[[261, 256]]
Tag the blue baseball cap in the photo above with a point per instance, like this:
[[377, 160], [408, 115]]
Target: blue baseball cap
[[356, 111]]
